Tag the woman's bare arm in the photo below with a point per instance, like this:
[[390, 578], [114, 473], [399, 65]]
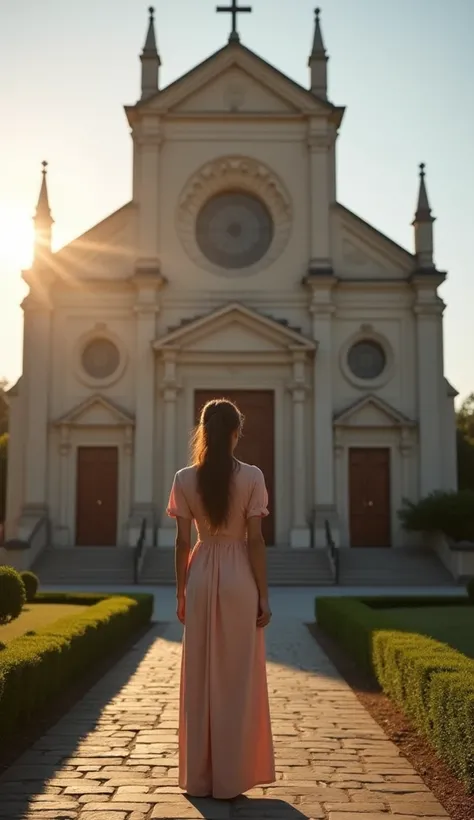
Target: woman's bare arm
[[258, 555], [182, 548]]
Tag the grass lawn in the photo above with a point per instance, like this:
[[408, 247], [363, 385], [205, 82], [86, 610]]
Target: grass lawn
[[34, 616], [453, 625]]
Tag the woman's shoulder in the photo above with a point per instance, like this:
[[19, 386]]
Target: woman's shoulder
[[186, 474], [250, 471]]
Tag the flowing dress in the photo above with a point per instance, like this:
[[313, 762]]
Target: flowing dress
[[225, 738]]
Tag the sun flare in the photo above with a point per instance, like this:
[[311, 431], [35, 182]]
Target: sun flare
[[16, 238]]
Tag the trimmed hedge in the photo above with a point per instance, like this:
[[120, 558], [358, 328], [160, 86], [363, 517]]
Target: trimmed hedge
[[12, 594], [34, 669], [352, 624], [31, 583], [433, 683]]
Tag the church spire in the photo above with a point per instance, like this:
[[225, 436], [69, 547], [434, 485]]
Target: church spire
[[423, 225], [318, 61], [43, 220], [150, 60]]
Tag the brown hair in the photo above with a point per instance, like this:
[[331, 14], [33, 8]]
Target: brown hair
[[212, 455]]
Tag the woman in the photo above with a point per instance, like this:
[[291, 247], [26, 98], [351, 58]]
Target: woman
[[225, 740]]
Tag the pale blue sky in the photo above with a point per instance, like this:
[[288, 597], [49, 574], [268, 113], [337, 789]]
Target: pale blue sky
[[403, 68]]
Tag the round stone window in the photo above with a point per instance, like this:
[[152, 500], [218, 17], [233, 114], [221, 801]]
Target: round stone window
[[100, 358], [367, 359], [234, 230]]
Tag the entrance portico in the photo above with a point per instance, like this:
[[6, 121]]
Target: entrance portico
[[232, 351]]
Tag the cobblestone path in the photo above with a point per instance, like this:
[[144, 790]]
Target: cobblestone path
[[114, 755]]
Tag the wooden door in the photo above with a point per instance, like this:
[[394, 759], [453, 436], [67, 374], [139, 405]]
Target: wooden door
[[257, 444], [97, 496], [369, 497]]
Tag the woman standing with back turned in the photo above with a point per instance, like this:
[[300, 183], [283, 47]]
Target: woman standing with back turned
[[225, 740]]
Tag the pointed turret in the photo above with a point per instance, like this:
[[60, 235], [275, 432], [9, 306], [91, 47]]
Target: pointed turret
[[150, 60], [318, 61], [43, 220], [423, 225]]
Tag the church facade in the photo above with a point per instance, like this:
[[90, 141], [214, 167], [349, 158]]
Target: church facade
[[233, 271]]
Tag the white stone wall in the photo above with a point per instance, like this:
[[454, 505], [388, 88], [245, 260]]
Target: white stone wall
[[190, 143]]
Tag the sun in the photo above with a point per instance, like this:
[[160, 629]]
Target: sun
[[16, 238]]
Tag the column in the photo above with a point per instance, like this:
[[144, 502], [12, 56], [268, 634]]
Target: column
[[300, 532], [406, 451], [65, 539], [127, 490], [166, 534], [148, 144], [320, 144], [146, 308], [429, 375], [322, 311], [37, 348]]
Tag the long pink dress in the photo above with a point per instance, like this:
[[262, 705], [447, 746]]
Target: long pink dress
[[225, 738]]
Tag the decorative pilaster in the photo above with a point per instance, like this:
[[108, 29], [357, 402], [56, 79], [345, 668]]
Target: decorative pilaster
[[170, 388], [146, 308], [37, 308], [300, 532], [65, 539], [429, 376], [36, 368], [147, 144], [320, 145], [322, 310]]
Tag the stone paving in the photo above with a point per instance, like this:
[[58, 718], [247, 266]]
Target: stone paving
[[114, 755]]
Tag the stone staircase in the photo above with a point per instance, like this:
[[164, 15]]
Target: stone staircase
[[285, 567], [364, 567], [85, 565], [402, 567]]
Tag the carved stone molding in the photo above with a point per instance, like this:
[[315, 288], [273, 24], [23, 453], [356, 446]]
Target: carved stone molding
[[320, 142], [128, 445], [227, 174]]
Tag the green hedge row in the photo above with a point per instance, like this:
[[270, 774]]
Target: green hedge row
[[433, 683], [35, 668]]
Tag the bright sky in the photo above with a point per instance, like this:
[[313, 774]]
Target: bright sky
[[403, 68]]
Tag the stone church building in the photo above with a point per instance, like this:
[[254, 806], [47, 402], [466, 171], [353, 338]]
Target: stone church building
[[233, 271]]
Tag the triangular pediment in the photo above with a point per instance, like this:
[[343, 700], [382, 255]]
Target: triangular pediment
[[234, 329], [371, 411], [235, 91], [96, 411], [262, 84], [363, 252]]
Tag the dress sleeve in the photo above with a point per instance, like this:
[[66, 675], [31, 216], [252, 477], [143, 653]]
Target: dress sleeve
[[178, 507], [258, 501]]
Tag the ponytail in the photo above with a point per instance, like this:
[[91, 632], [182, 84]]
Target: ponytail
[[213, 457]]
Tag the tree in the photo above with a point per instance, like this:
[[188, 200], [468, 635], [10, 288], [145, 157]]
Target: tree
[[465, 443]]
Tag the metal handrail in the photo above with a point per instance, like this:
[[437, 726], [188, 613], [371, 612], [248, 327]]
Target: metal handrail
[[332, 551], [20, 544], [139, 552]]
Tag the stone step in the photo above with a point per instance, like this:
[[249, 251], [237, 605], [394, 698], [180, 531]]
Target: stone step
[[85, 565], [285, 567], [392, 567]]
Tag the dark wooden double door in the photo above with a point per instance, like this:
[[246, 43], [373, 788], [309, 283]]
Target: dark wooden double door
[[257, 443], [97, 496], [369, 497]]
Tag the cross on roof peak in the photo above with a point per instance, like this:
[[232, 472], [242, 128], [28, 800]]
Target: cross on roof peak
[[234, 9]]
